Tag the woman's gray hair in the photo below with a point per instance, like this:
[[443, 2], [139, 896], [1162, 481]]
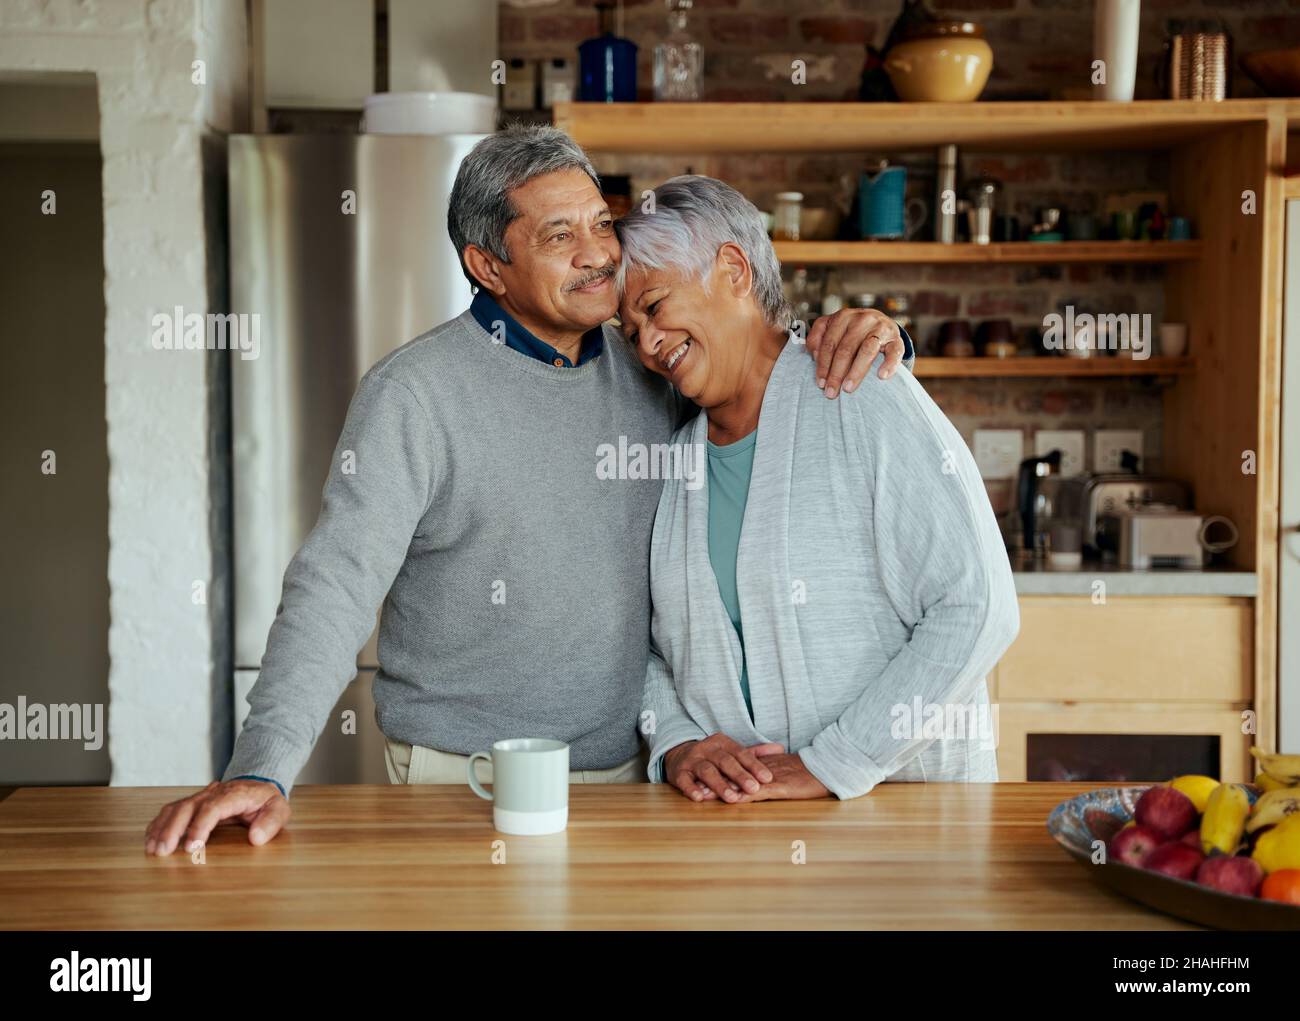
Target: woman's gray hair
[[480, 210], [690, 218]]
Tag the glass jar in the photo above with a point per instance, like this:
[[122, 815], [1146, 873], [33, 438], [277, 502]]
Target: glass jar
[[897, 307], [785, 216], [801, 296]]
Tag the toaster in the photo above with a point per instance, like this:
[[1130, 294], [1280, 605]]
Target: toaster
[[1159, 536], [1097, 501]]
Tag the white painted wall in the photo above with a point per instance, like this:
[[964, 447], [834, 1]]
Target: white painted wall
[[163, 168]]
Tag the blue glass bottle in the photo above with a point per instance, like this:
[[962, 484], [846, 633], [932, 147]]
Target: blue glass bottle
[[607, 65]]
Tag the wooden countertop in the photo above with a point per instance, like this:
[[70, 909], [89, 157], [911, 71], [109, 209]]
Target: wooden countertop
[[905, 856]]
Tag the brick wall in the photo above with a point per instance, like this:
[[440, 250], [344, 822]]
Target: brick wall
[[1041, 47]]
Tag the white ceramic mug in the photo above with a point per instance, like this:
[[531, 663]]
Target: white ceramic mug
[[530, 785]]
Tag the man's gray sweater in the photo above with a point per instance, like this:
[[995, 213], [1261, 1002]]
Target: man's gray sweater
[[469, 494]]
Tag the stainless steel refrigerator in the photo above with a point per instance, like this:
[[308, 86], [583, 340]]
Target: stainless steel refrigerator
[[339, 244]]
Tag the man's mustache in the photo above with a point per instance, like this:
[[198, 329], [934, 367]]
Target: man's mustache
[[591, 278]]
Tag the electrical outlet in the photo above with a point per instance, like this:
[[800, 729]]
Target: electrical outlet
[[1109, 443], [1069, 442], [998, 452]]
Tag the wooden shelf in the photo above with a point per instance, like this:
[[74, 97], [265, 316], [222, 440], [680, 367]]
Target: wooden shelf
[[795, 126], [1050, 366], [894, 252]]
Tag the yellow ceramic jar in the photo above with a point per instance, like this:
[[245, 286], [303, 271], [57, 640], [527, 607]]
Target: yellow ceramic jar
[[942, 62]]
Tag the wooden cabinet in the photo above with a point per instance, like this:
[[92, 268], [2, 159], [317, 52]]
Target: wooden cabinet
[[1130, 649], [1161, 665]]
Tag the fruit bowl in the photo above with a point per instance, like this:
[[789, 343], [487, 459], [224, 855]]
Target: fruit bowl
[[1099, 814]]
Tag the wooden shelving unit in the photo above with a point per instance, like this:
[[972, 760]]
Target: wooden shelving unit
[[1050, 367], [830, 253], [1224, 401]]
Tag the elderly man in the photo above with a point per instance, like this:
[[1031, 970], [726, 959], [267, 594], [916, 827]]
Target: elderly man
[[465, 497]]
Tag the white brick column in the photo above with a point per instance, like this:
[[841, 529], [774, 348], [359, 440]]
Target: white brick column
[[162, 140]]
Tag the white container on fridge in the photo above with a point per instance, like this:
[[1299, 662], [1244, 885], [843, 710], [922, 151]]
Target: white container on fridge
[[429, 113]]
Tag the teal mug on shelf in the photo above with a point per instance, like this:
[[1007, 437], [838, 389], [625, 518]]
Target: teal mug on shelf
[[884, 213]]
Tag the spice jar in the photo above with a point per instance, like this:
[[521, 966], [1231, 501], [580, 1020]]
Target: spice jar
[[785, 217]]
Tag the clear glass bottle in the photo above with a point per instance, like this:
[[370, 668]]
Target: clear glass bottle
[[832, 294], [800, 296], [679, 61]]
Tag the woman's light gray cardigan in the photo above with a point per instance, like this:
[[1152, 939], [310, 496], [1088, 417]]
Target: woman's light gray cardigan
[[874, 587]]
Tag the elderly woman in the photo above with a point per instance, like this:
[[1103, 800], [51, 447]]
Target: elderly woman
[[828, 604]]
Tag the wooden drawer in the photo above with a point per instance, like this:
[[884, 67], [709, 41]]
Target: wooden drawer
[[1130, 648]]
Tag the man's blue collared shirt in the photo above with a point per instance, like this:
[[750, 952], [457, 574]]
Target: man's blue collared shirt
[[491, 316]]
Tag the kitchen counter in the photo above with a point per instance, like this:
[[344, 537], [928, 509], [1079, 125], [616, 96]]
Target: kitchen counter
[[905, 856], [1035, 578]]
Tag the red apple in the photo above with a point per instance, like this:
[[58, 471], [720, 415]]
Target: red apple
[[1231, 874], [1192, 838], [1169, 812], [1132, 844], [1174, 859]]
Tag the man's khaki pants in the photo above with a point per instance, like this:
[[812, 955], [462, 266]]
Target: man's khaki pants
[[417, 764]]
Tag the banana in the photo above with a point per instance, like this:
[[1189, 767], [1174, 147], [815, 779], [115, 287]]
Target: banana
[[1279, 848], [1272, 807], [1224, 820], [1198, 788], [1283, 768], [1266, 783]]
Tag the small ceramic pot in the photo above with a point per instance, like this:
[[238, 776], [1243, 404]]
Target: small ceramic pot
[[940, 62]]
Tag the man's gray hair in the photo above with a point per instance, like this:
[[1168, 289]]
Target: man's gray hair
[[692, 216], [480, 209]]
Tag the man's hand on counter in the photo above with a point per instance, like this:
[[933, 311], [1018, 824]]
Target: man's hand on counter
[[257, 804]]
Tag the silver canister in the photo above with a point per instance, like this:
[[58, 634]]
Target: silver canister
[[982, 193], [945, 196]]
